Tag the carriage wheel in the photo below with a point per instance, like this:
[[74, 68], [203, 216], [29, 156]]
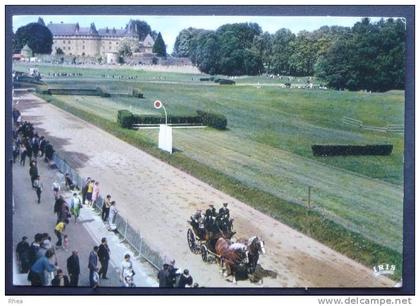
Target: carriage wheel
[[204, 253], [191, 241]]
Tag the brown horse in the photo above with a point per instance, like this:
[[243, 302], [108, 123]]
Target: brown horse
[[232, 256]]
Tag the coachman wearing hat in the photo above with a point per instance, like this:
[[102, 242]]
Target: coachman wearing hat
[[224, 212]]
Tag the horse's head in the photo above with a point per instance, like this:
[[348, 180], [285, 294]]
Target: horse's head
[[257, 245]]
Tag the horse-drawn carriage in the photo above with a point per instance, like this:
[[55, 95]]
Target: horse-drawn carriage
[[211, 237]]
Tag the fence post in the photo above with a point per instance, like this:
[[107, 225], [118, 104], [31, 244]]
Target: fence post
[[125, 231], [309, 196]]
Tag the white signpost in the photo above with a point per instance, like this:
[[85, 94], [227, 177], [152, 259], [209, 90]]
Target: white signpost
[[165, 131]]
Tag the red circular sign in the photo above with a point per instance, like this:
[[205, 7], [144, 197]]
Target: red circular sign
[[158, 104]]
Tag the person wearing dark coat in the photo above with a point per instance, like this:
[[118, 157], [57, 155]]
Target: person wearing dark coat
[[172, 271], [185, 280], [22, 252], [103, 255], [73, 268], [93, 265], [60, 280], [34, 248], [33, 172], [163, 277]]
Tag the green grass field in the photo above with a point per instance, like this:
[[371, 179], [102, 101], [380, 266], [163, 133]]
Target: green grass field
[[267, 145]]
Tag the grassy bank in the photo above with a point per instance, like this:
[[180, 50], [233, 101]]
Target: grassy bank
[[310, 222]]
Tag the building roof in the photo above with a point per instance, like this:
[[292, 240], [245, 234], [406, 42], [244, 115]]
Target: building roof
[[73, 29], [148, 41], [26, 48]]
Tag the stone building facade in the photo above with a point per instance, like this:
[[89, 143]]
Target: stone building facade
[[72, 39]]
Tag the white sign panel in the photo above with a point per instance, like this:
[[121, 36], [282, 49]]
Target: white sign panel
[[165, 138]]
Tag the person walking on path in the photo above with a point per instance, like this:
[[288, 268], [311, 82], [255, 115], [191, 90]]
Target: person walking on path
[[75, 205], [93, 266], [34, 248], [103, 255], [95, 193], [37, 184], [23, 154], [56, 189], [22, 253], [105, 208], [33, 171], [126, 267], [60, 280], [163, 277], [112, 213], [16, 151], [89, 192], [59, 229], [84, 189], [39, 268], [73, 268]]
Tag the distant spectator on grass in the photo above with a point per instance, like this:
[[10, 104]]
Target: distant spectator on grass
[[105, 208]]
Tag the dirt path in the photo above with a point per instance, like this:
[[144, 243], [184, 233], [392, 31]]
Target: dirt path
[[158, 199]]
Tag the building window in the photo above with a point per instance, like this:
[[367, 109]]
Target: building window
[[69, 41], [83, 41], [64, 42]]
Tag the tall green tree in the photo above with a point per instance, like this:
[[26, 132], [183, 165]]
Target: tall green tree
[[282, 51], [140, 27], [36, 36], [159, 47], [371, 57]]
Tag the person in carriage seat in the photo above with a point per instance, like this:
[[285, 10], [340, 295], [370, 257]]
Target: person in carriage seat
[[224, 212], [210, 223], [197, 222], [223, 220]]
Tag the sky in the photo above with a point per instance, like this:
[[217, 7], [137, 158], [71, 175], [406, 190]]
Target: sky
[[170, 26]]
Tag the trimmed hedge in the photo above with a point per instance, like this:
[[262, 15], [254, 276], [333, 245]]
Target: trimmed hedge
[[217, 121], [204, 79], [343, 150], [151, 119], [226, 82], [125, 118], [137, 93], [73, 91]]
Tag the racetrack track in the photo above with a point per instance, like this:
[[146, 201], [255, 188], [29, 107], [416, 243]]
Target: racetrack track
[[158, 200]]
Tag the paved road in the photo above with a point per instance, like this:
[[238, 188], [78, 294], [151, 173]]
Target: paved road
[[31, 218]]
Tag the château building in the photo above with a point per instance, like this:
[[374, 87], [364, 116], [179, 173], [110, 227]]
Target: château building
[[72, 39]]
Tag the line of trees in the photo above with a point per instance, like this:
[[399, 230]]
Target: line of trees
[[367, 56]]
